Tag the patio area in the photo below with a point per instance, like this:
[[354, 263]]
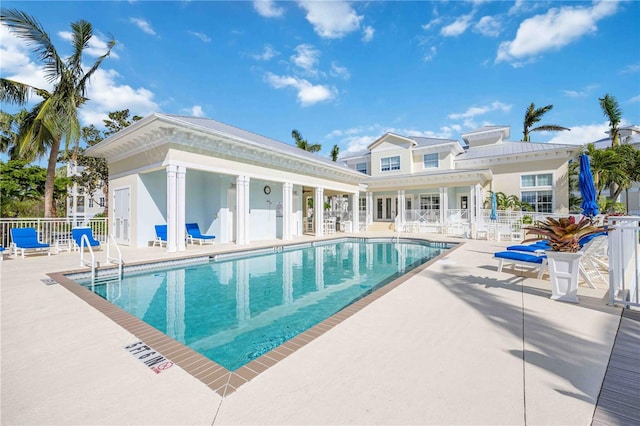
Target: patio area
[[456, 343]]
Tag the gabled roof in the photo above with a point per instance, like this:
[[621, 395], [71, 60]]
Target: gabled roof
[[386, 135], [418, 142], [217, 138], [486, 131]]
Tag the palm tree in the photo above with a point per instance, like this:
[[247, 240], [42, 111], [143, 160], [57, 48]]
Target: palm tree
[[532, 116], [334, 152], [9, 130], [55, 118], [612, 111], [303, 144]]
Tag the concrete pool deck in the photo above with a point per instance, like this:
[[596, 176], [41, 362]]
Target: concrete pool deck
[[457, 343]]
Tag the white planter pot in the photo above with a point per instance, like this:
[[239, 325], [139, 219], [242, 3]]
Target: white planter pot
[[563, 271]]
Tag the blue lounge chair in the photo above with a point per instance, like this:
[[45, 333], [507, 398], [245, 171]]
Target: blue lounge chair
[[1, 253], [77, 234], [27, 239], [524, 259], [161, 235], [194, 234]]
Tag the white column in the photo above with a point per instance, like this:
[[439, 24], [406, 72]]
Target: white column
[[472, 203], [401, 205], [479, 200], [318, 211], [444, 204], [172, 209], [287, 211], [355, 208], [242, 209], [369, 209], [181, 206]]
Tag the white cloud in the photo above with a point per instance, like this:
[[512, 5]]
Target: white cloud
[[307, 58], [267, 54], [480, 110], [553, 30], [16, 63], [457, 27], [580, 93], [633, 68], [488, 26], [331, 19], [106, 95], [268, 8], [202, 36], [367, 34], [580, 135], [338, 71], [143, 25], [432, 53], [197, 111], [634, 99], [96, 47], [432, 23], [308, 94]]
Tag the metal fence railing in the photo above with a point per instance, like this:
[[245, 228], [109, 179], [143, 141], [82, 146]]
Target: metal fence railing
[[52, 230], [624, 261]]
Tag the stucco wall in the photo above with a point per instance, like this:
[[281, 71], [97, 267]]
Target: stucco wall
[[506, 178], [391, 148]]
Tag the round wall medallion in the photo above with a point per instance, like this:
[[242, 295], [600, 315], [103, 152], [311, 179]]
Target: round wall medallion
[[267, 189]]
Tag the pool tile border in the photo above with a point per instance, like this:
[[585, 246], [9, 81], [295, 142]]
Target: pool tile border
[[212, 374]]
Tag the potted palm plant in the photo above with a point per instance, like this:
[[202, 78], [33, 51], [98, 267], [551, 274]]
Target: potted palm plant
[[563, 235]]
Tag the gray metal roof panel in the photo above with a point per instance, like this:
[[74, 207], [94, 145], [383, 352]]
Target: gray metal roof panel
[[510, 148]]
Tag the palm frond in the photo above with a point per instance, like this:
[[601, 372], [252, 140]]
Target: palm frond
[[29, 28]]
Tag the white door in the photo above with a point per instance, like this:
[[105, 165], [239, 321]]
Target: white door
[[386, 208], [121, 215]]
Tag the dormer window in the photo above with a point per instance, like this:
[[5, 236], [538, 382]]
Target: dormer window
[[430, 161], [390, 163], [362, 168]]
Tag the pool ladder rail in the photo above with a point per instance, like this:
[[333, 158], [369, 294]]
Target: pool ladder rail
[[92, 263]]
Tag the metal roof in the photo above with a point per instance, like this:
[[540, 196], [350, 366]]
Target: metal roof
[[511, 148]]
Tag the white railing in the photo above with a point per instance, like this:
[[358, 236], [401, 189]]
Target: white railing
[[51, 230], [84, 242], [117, 260], [624, 261]]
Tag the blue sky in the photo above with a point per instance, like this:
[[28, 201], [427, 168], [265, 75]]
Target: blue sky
[[347, 72]]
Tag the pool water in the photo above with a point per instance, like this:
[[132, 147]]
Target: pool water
[[234, 310]]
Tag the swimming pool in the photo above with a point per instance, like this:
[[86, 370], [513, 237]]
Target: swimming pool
[[236, 307]]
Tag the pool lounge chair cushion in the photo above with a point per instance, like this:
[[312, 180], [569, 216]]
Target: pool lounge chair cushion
[[77, 234], [161, 235], [194, 234], [519, 258], [27, 239], [531, 248]]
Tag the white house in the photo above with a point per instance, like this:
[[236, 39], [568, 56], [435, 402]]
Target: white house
[[245, 187], [416, 174], [235, 184]]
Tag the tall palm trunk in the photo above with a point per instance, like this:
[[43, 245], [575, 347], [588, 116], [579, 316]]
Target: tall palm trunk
[[49, 184]]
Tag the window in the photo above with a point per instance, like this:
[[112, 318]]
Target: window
[[539, 191], [390, 163], [529, 181], [362, 168], [90, 202], [101, 201], [541, 201], [430, 161], [362, 206], [429, 202]]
